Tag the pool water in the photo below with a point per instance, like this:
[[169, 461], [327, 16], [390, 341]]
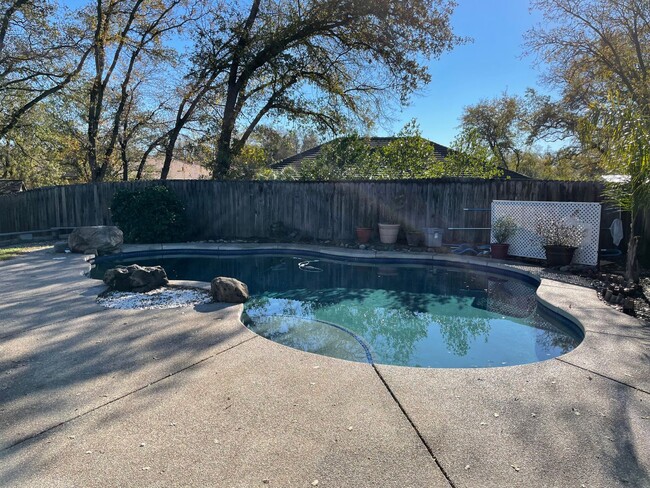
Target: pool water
[[399, 314]]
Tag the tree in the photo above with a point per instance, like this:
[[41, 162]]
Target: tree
[[327, 61], [126, 33], [41, 52], [629, 154], [599, 55], [470, 157], [348, 157], [497, 124]]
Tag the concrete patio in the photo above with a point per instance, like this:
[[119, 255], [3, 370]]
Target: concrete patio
[[190, 397]]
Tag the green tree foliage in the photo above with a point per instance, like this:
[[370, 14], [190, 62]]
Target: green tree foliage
[[470, 157], [498, 125], [409, 155], [152, 214], [345, 158]]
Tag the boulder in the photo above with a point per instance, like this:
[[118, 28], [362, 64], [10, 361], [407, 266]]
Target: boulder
[[60, 246], [228, 290], [106, 239], [136, 278]]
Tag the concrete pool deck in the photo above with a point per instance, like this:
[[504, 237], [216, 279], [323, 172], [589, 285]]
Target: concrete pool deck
[[190, 397]]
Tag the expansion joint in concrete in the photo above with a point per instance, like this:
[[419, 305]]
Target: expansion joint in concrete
[[125, 395], [604, 376], [410, 421]]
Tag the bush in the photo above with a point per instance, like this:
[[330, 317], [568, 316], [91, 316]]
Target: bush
[[153, 214]]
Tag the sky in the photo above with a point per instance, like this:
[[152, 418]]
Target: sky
[[482, 69]]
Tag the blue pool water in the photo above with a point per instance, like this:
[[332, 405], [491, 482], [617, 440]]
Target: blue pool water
[[400, 314]]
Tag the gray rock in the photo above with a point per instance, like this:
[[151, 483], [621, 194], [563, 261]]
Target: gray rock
[[60, 247], [228, 290], [106, 239], [136, 278]]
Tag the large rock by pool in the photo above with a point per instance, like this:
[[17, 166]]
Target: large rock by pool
[[102, 239], [229, 290], [136, 278]]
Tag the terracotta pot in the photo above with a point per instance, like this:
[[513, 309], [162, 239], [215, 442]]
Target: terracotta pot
[[559, 255], [499, 251], [363, 234], [414, 238], [388, 233]]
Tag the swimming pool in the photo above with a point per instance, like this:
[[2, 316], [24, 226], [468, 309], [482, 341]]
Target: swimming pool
[[390, 312]]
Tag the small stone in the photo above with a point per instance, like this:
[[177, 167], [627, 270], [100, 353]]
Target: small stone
[[483, 423], [146, 468], [533, 415], [142, 444], [467, 466], [496, 414], [350, 428], [89, 452], [314, 483], [266, 481], [515, 467]]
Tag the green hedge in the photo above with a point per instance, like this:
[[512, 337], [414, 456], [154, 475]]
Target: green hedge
[[153, 214]]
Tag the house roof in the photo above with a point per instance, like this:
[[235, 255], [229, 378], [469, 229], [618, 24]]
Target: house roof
[[374, 142], [440, 151], [11, 186]]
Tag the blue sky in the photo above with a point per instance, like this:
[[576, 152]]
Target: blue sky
[[482, 69]]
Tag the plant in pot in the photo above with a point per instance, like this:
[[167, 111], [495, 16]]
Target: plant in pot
[[363, 234], [560, 239], [502, 230], [414, 237]]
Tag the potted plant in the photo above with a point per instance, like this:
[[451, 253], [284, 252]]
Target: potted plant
[[363, 234], [414, 237], [502, 230], [388, 233], [560, 239]]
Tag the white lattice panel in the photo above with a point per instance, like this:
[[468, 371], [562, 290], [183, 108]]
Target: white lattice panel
[[526, 242]]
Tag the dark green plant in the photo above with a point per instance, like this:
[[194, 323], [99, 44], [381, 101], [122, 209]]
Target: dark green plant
[[503, 229], [152, 214]]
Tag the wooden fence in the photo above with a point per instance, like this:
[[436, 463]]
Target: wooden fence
[[317, 210]]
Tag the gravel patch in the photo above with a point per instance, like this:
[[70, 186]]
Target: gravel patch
[[156, 299]]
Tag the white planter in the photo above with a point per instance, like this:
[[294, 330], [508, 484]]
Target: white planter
[[388, 233]]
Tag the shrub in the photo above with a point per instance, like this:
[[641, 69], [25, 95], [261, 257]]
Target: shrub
[[152, 214], [558, 232], [503, 229]]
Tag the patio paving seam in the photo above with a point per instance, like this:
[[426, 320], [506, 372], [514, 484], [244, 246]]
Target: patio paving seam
[[603, 376], [121, 397], [410, 421]]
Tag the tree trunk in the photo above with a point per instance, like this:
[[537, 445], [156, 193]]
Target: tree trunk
[[632, 263], [224, 154], [169, 154]]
